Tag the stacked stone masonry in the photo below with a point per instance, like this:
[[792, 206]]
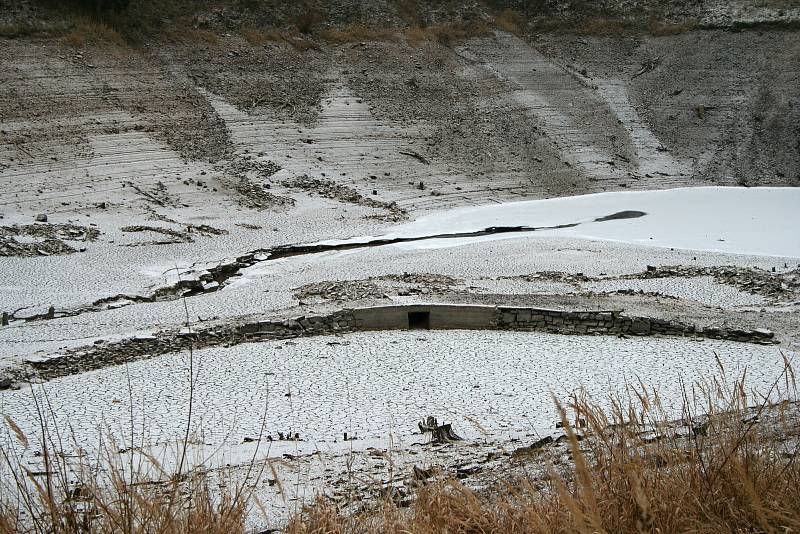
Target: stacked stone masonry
[[338, 322], [502, 318], [616, 323], [102, 354]]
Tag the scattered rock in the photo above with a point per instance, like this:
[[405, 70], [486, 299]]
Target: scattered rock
[[330, 189], [43, 239], [535, 446], [255, 195]]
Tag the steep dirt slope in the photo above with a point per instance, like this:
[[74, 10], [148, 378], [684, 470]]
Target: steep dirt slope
[[501, 117], [729, 103]]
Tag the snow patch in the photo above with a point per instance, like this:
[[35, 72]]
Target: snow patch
[[761, 221]]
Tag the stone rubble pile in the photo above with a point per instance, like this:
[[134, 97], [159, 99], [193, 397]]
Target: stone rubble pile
[[377, 287], [349, 290], [554, 276], [751, 280], [330, 189], [43, 239]]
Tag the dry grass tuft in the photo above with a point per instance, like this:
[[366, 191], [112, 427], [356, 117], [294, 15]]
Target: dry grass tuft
[[727, 465], [260, 37], [602, 27], [358, 32], [59, 488], [86, 30], [446, 34], [255, 36], [511, 21], [65, 494], [415, 35], [75, 39], [192, 35], [19, 29], [636, 471]]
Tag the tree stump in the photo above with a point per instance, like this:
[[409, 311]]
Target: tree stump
[[439, 433]]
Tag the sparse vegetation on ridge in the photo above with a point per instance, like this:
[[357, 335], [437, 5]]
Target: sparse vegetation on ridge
[[139, 21]]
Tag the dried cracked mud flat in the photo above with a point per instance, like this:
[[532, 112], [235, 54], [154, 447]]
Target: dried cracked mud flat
[[171, 195]]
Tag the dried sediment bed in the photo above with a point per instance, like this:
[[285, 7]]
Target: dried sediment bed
[[297, 250], [507, 366], [374, 386], [597, 219]]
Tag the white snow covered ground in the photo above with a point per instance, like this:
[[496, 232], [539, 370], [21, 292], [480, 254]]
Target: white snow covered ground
[[372, 385], [495, 387], [758, 220]]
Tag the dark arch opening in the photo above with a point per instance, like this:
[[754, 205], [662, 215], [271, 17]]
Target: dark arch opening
[[419, 320]]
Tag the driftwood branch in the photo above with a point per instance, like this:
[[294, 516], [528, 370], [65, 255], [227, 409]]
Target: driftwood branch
[[416, 155], [647, 67], [145, 194]]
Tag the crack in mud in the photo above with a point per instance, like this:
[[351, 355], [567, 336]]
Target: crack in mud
[[215, 278]]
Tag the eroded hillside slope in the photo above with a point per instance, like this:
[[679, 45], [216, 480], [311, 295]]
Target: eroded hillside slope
[[131, 163]]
